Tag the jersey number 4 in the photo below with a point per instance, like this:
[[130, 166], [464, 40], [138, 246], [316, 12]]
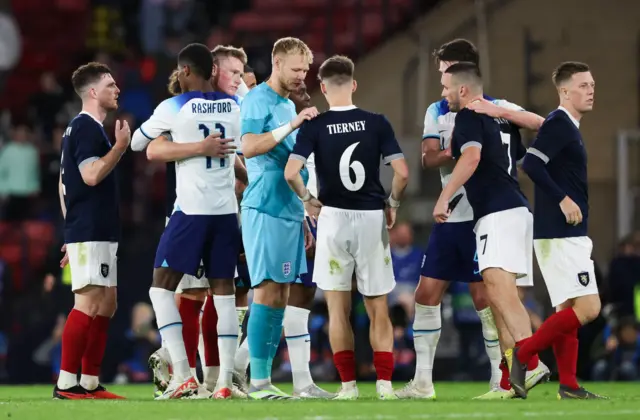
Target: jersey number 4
[[345, 170], [205, 132]]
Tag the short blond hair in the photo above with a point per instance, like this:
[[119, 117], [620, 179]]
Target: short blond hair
[[290, 45], [226, 51]]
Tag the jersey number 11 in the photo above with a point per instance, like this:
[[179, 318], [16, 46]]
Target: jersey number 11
[[205, 132]]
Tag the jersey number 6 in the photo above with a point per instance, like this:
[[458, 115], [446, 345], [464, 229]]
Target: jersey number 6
[[205, 132], [346, 165]]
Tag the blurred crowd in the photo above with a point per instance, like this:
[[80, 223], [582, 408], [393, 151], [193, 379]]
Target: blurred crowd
[[35, 293]]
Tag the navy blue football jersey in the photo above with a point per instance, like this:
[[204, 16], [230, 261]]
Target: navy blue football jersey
[[493, 186], [92, 212], [348, 144], [559, 151]]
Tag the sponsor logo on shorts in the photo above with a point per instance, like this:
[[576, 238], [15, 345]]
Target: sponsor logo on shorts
[[104, 270], [583, 278], [286, 268]]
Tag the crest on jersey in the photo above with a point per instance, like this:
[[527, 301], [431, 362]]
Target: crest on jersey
[[286, 268], [200, 272], [583, 278], [104, 270]]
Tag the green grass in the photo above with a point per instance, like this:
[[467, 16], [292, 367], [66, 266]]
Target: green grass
[[454, 402]]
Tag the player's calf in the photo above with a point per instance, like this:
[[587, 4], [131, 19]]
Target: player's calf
[[503, 296], [161, 293], [381, 337], [587, 308]]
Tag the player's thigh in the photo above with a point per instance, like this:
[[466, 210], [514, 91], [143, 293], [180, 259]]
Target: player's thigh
[[333, 264], [182, 243], [501, 241], [527, 281], [93, 264], [372, 252], [221, 256], [566, 267], [274, 247]]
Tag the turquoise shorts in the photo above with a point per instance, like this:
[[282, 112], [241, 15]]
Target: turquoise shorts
[[274, 247]]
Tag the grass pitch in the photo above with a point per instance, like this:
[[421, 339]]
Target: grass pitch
[[454, 402]]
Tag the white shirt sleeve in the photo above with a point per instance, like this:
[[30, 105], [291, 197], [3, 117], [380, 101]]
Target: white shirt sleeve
[[431, 122], [509, 105], [160, 122]]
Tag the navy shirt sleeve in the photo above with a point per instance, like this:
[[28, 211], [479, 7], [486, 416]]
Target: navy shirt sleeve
[[388, 142], [467, 131], [552, 137], [85, 141], [305, 142]]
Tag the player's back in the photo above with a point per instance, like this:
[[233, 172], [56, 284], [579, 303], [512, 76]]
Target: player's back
[[349, 145], [204, 185], [568, 169], [92, 211], [264, 110], [492, 187]]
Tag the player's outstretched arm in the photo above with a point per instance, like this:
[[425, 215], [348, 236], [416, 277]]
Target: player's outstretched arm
[[258, 144], [508, 111], [94, 172], [241, 171]]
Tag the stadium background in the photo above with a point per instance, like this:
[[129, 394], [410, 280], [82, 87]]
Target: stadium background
[[42, 41]]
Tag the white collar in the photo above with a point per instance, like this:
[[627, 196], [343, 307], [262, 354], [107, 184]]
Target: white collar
[[573, 120], [94, 118], [342, 108]]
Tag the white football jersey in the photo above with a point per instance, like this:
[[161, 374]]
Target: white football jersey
[[438, 123], [204, 185]]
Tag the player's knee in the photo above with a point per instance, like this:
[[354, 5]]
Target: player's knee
[[166, 278], [429, 291], [301, 296], [223, 287], [377, 308], [587, 308]]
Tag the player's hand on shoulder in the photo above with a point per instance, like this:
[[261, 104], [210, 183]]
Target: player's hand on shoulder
[[215, 146], [123, 134], [482, 106], [571, 211], [304, 115], [441, 211]]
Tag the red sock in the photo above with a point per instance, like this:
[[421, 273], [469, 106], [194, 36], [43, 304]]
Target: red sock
[[190, 314], [566, 351], [504, 379], [74, 340], [383, 362], [345, 362], [555, 326], [96, 344], [533, 362], [210, 334]]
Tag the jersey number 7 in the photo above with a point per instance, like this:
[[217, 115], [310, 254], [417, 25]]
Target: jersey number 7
[[205, 132]]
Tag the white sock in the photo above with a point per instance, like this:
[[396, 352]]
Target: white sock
[[164, 353], [242, 312], [296, 331], [210, 374], [67, 380], [89, 382], [227, 337], [426, 333], [170, 327], [491, 344], [242, 357]]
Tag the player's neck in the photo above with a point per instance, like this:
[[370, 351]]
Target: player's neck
[[96, 111], [200, 86], [277, 87], [464, 102], [572, 111], [340, 100]]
